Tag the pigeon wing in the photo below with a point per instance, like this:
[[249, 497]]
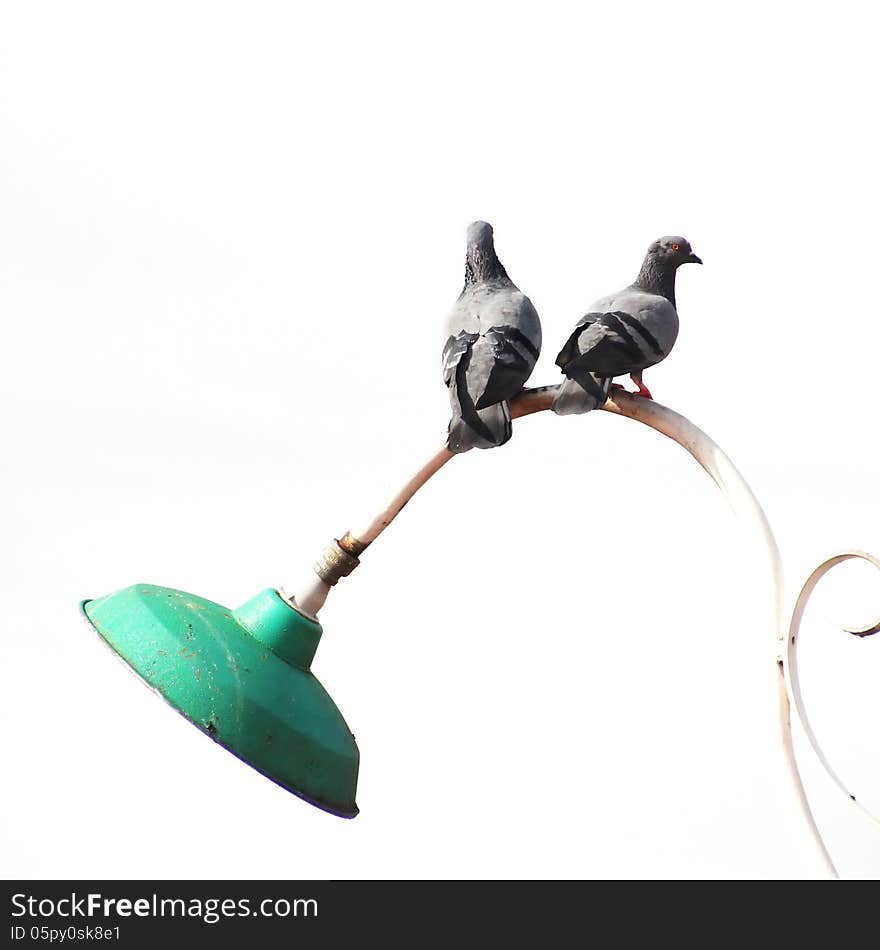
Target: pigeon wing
[[603, 344], [456, 347], [514, 357]]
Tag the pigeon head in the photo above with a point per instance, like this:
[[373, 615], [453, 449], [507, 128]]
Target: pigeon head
[[482, 262], [673, 251], [663, 259], [479, 233]]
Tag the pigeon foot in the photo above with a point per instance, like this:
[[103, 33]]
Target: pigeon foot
[[643, 390]]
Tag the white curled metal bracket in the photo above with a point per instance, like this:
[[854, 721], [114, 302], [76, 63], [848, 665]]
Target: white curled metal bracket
[[793, 639]]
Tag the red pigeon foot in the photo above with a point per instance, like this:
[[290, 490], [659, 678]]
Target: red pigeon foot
[[643, 389]]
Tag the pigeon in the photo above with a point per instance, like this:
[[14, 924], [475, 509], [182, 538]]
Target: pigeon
[[624, 333], [493, 341]]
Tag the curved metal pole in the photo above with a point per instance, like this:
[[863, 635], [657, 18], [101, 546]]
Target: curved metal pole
[[745, 505], [342, 557], [792, 663]]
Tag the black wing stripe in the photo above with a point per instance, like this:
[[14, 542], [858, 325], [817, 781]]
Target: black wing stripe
[[613, 322], [643, 331], [517, 336]]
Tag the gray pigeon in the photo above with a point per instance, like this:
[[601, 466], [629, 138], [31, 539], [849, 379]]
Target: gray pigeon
[[493, 341], [624, 333]]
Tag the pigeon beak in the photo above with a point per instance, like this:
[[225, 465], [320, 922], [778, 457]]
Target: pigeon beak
[[693, 259]]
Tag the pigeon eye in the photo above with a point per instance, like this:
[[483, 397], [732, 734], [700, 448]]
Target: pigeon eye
[[675, 247]]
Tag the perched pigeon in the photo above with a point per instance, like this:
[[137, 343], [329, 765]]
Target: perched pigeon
[[493, 341], [624, 333]]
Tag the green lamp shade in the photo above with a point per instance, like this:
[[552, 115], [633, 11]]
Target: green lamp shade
[[243, 677]]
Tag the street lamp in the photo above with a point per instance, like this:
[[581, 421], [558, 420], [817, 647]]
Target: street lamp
[[244, 676]]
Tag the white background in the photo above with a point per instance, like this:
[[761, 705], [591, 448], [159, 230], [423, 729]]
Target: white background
[[230, 236]]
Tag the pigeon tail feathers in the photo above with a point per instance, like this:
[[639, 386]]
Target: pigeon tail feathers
[[488, 429], [575, 398]]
